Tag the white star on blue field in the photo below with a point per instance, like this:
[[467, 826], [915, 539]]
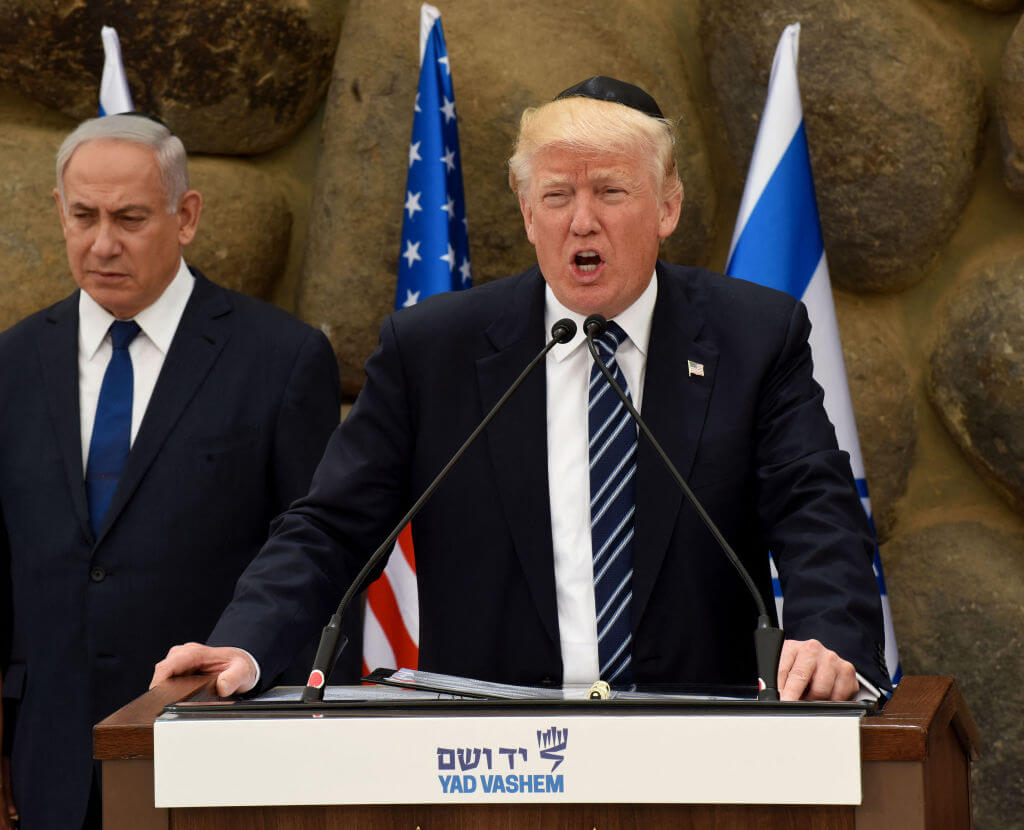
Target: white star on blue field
[[435, 239]]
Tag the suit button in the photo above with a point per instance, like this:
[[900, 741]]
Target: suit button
[[97, 574]]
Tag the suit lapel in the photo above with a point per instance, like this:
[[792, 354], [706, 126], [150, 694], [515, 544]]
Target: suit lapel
[[204, 330], [517, 439], [58, 352], [674, 406]]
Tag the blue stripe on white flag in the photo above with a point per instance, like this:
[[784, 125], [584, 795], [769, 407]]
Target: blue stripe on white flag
[[778, 242], [781, 243]]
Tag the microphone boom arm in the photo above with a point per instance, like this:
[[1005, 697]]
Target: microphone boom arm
[[331, 640], [767, 638]]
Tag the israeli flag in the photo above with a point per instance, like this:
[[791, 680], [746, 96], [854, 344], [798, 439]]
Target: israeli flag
[[114, 94], [777, 242]]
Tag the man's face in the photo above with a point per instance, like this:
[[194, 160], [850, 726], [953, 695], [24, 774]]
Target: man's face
[[123, 246], [596, 221]]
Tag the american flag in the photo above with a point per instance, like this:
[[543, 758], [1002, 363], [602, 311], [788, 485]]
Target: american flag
[[434, 258]]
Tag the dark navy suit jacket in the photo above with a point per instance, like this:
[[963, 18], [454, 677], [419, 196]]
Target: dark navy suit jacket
[[750, 435], [239, 417]]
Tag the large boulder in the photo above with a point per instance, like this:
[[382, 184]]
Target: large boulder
[[243, 231], [353, 247], [893, 104], [245, 228], [229, 77], [976, 377], [883, 404], [1010, 107], [955, 590]]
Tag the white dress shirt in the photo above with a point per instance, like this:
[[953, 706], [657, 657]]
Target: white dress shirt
[[157, 322], [568, 379]]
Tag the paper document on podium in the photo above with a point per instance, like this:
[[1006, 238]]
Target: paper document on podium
[[354, 694], [471, 688]]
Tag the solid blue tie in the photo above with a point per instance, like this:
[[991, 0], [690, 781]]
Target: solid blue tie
[[612, 505], [112, 429]]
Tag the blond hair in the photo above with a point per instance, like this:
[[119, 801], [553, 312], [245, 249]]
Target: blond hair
[[592, 127]]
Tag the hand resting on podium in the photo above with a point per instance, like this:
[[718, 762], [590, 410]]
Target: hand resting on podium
[[236, 671], [807, 670]]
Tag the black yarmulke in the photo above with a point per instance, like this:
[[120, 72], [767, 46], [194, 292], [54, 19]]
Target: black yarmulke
[[602, 88]]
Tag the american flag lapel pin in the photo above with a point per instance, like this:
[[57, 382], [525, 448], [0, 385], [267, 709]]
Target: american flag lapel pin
[[694, 368]]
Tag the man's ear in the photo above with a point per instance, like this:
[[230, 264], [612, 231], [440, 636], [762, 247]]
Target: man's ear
[[60, 212], [189, 208], [527, 211], [670, 210]]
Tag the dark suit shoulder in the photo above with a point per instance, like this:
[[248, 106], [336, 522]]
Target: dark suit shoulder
[[468, 310], [714, 290], [30, 326], [257, 318]]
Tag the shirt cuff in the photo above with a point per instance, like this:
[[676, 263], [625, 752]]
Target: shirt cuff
[[256, 666], [867, 691]]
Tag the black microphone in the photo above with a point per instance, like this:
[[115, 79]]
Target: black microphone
[[561, 332], [767, 639]]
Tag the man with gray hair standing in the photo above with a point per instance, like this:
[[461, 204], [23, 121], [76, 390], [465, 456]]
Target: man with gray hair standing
[[151, 426]]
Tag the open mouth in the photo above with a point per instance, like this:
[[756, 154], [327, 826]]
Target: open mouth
[[587, 261]]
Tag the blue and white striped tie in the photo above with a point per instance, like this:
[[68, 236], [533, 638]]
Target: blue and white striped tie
[[612, 505]]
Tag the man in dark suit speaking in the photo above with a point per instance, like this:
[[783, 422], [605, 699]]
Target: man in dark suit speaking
[[151, 426], [559, 549]]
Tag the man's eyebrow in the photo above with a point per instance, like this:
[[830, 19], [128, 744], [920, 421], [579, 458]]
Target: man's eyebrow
[[605, 173], [553, 181], [86, 208]]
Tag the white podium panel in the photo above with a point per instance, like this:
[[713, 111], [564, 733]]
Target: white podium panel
[[416, 758]]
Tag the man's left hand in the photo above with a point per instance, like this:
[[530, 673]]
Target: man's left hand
[[809, 671]]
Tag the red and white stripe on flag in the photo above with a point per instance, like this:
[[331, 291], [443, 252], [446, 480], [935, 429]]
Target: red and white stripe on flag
[[391, 627]]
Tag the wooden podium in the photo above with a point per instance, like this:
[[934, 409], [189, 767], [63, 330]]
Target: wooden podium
[[915, 759]]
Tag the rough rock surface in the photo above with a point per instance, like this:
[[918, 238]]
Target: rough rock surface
[[1010, 109], [996, 5], [500, 65], [243, 232], [33, 267], [976, 379], [245, 227], [883, 404], [893, 106], [228, 76], [955, 590]]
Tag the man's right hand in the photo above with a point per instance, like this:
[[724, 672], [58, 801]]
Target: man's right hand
[[8, 811], [235, 669]]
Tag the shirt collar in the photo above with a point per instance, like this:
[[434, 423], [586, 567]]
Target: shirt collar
[[635, 320], [158, 321]]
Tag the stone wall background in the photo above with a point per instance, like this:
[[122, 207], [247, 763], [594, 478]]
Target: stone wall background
[[915, 118]]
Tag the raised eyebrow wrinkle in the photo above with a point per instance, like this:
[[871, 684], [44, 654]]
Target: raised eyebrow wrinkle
[[546, 184]]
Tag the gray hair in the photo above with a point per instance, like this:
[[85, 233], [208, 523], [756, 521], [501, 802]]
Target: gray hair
[[167, 147]]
